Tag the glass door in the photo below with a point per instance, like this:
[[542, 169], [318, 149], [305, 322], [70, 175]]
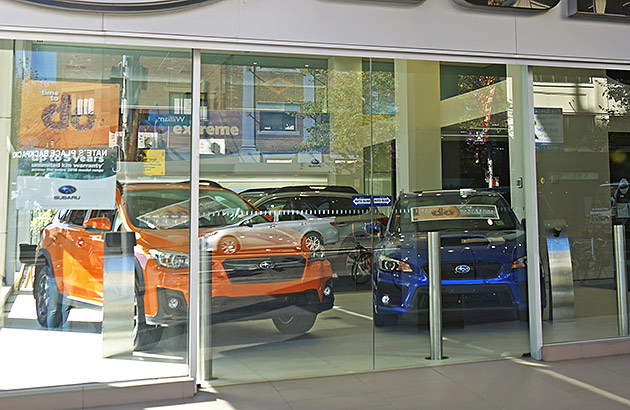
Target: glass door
[[582, 150], [457, 164]]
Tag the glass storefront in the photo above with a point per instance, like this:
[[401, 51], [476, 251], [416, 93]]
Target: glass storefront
[[334, 195], [582, 127], [312, 142], [96, 271]]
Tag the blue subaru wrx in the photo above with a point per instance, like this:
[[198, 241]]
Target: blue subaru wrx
[[483, 256]]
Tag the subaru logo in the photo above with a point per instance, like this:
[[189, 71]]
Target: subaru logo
[[267, 265], [462, 269], [67, 190]]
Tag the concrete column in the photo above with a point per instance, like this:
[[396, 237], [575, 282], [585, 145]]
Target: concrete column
[[419, 145], [518, 137], [6, 76]]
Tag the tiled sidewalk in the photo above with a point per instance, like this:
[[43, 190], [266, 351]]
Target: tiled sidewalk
[[600, 383]]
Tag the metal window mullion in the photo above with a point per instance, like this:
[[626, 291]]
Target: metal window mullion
[[193, 311], [531, 215]]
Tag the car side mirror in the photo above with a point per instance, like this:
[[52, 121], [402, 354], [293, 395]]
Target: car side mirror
[[523, 222], [101, 224]]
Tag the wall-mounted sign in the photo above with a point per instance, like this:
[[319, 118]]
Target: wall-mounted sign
[[116, 6], [610, 8], [548, 128], [512, 4], [67, 115]]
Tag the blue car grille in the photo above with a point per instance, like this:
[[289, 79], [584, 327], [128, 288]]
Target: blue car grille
[[469, 296], [265, 270], [478, 270]]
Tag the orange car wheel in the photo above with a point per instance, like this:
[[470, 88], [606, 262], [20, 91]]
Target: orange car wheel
[[296, 324], [48, 299], [144, 336]]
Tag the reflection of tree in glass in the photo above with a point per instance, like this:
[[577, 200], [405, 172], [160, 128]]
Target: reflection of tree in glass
[[339, 115]]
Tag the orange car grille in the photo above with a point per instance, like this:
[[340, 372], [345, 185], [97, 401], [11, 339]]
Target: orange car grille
[[265, 269]]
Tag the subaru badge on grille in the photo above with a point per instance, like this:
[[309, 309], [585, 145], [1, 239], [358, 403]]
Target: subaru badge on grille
[[462, 269]]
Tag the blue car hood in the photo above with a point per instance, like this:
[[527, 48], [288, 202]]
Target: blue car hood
[[502, 246]]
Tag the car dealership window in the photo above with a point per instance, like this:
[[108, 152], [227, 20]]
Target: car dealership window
[[320, 177], [581, 158], [88, 122]]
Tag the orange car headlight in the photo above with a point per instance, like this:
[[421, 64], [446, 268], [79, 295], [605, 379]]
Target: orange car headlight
[[170, 259]]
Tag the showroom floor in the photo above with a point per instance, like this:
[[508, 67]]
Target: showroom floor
[[37, 357], [510, 384], [343, 340]]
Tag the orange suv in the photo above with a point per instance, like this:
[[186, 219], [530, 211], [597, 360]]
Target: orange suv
[[268, 275]]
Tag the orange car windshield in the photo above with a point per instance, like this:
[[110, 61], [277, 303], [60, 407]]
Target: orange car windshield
[[170, 208]]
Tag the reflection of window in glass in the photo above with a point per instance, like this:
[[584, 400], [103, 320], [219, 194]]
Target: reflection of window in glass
[[277, 121], [83, 105], [380, 82], [181, 103]]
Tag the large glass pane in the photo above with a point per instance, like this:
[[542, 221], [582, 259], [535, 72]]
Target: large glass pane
[[98, 237], [290, 294], [454, 156], [582, 146]]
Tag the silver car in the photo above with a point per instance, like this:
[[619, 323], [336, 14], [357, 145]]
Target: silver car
[[316, 232]]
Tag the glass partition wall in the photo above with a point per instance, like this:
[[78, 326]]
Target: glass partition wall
[[582, 128], [289, 134], [343, 165], [321, 180], [97, 237], [459, 173]]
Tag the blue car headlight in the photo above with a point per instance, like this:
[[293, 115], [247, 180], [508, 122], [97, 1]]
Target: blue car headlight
[[387, 264]]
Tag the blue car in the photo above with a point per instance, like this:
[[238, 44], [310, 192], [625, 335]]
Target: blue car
[[483, 255]]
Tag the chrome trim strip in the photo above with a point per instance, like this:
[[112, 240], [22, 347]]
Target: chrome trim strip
[[194, 282], [531, 214]]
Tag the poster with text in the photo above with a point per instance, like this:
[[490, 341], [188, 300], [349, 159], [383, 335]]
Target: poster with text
[[81, 178], [67, 115]]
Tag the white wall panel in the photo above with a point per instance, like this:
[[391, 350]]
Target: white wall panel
[[15, 14], [435, 26], [215, 19]]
